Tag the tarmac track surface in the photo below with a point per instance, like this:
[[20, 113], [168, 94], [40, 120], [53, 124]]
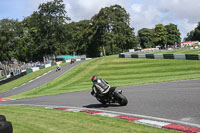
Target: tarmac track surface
[[178, 100]]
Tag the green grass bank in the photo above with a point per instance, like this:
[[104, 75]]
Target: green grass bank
[[26, 119], [118, 72]]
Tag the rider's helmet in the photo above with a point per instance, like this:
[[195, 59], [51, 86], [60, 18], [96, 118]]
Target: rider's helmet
[[94, 78]]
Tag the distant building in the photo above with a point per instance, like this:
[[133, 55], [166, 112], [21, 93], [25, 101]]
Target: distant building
[[189, 44]]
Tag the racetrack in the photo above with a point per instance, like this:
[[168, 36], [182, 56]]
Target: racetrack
[[40, 81], [178, 100]]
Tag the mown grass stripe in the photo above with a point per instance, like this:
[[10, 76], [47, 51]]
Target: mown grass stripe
[[118, 72]]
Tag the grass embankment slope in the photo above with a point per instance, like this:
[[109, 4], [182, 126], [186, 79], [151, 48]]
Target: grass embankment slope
[[26, 119], [119, 72]]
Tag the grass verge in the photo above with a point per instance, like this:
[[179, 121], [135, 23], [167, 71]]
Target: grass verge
[[27, 119]]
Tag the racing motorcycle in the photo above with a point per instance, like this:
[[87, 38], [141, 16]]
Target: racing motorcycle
[[72, 61], [113, 96], [58, 68]]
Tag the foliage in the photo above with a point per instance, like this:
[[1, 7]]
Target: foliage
[[46, 28], [189, 36], [7, 36], [173, 34], [194, 35], [80, 33], [112, 29], [160, 35], [146, 38], [40, 34], [46, 32]]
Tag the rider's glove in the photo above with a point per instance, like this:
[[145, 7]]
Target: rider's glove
[[92, 93]]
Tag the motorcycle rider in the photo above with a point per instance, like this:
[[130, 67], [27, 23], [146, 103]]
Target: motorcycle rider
[[58, 67], [100, 86], [72, 60]]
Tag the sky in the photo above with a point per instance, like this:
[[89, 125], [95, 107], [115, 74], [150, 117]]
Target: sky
[[143, 13]]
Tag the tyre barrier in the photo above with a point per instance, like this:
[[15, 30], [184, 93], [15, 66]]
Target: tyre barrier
[[134, 55], [5, 126], [141, 56], [150, 56], [192, 57], [161, 56], [168, 56], [121, 55], [158, 56]]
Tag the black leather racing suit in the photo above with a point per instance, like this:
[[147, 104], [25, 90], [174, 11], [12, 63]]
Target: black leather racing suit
[[100, 87]]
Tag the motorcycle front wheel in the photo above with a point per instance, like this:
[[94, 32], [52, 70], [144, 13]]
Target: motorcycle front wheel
[[121, 99]]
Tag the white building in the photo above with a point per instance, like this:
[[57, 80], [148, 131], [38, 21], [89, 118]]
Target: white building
[[189, 44]]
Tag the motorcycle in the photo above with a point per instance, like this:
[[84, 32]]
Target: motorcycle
[[72, 61], [113, 96], [58, 68]]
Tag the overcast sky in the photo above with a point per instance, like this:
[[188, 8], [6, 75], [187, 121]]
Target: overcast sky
[[143, 13]]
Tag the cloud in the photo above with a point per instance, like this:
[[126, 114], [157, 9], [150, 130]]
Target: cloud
[[143, 13], [33, 4], [144, 16], [181, 9], [184, 13], [86, 9]]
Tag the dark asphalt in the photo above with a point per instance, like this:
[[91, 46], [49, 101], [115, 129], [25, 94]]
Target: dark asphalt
[[179, 100]]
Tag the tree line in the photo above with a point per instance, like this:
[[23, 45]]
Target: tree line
[[50, 31], [163, 36], [194, 35]]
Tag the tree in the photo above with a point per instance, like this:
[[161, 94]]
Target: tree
[[146, 38], [112, 29], [7, 36], [160, 35], [194, 35], [173, 34], [20, 49], [79, 36], [189, 36], [124, 34], [45, 30], [52, 20]]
